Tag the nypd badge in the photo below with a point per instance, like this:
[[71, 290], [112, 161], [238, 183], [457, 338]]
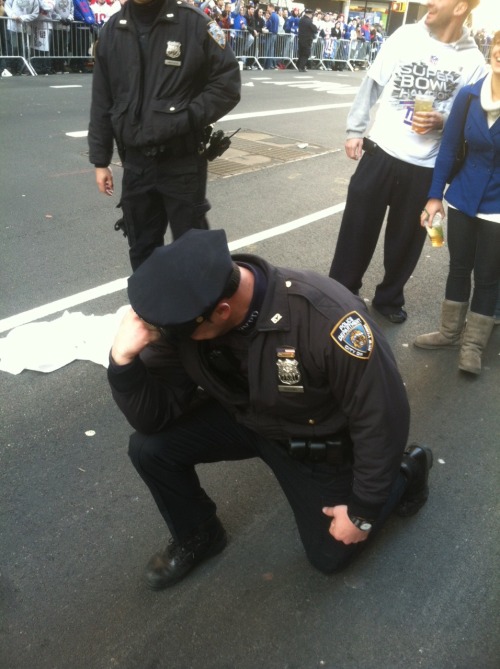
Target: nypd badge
[[173, 52], [354, 336], [217, 34], [288, 371]]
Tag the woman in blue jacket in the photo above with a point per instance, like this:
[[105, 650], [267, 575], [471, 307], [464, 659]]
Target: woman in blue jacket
[[473, 219]]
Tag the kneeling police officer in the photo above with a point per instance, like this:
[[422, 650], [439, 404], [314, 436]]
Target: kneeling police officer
[[292, 370]]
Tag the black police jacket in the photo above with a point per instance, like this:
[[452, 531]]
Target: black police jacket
[[307, 30], [317, 364], [189, 80]]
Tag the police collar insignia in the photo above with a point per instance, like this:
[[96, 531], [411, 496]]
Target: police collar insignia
[[354, 336], [288, 371], [217, 34], [173, 51]]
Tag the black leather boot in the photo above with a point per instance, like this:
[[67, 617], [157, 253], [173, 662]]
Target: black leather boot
[[180, 557], [417, 461]]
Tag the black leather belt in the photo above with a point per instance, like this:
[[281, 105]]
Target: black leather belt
[[174, 148], [335, 450], [156, 151]]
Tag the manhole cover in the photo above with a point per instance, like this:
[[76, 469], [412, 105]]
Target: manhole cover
[[251, 151]]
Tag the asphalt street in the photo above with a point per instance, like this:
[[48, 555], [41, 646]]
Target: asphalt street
[[77, 524]]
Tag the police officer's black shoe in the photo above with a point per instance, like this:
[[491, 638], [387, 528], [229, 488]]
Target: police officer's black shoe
[[396, 315], [180, 557], [417, 461]]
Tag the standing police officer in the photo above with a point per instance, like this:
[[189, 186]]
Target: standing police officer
[[293, 371], [163, 73], [307, 32]]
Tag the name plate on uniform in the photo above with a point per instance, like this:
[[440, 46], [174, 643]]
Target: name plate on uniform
[[291, 389]]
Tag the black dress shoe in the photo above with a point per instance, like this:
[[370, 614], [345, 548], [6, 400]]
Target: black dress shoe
[[180, 557], [398, 316], [417, 461]]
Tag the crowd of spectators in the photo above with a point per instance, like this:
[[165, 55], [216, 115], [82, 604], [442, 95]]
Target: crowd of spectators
[[484, 40], [339, 39], [51, 35], [59, 35]]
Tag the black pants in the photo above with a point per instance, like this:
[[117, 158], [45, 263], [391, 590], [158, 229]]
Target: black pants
[[158, 191], [474, 246], [304, 53], [16, 46], [60, 45], [166, 462], [381, 181]]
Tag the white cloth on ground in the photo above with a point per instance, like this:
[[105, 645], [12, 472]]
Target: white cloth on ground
[[49, 345]]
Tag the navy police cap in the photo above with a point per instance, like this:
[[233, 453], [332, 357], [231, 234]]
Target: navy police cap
[[181, 283]]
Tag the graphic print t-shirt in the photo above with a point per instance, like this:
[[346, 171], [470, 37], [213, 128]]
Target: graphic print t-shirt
[[412, 62]]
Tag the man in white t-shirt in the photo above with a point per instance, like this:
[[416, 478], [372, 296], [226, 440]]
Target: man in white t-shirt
[[435, 56]]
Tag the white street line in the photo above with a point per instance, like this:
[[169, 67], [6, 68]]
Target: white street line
[[60, 305], [285, 227], [120, 284], [68, 86], [278, 112], [262, 114]]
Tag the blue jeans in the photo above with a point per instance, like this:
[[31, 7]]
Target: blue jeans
[[270, 62]]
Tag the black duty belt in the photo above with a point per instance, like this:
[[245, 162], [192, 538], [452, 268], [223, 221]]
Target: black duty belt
[[174, 148], [335, 450]]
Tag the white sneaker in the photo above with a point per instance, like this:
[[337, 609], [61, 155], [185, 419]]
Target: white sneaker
[[6, 73]]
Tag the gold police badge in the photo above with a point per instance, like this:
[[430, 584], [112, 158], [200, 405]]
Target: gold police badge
[[173, 51], [354, 336]]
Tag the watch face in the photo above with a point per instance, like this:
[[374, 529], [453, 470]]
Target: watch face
[[361, 523]]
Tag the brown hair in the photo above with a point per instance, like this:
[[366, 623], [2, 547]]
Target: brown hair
[[472, 4]]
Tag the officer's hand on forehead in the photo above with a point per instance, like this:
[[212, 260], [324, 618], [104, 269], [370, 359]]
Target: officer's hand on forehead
[[132, 337]]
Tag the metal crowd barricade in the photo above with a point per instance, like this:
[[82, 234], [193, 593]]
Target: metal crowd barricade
[[15, 47], [83, 38], [359, 53], [317, 50], [373, 51], [268, 50], [275, 50], [245, 47], [46, 46], [72, 47], [347, 53], [336, 53], [328, 50], [486, 51]]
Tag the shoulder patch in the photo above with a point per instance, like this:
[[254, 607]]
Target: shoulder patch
[[354, 336], [217, 34]]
